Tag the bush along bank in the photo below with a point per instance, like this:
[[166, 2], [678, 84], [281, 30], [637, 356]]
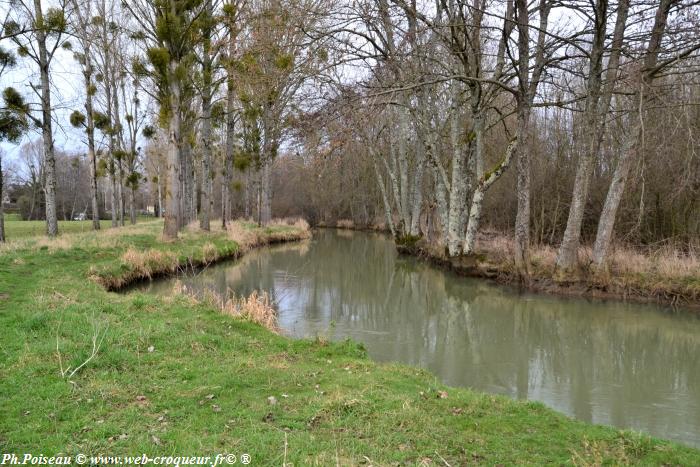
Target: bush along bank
[[126, 374]]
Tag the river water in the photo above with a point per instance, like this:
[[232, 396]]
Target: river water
[[628, 365]]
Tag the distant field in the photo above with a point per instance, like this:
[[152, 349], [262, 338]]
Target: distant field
[[16, 229]]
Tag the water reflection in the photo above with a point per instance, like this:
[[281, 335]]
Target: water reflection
[[628, 365]]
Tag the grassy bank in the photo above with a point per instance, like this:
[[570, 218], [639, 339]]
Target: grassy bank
[[665, 275], [179, 377]]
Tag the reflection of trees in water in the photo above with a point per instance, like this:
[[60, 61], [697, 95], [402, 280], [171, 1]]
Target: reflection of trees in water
[[599, 362], [605, 362]]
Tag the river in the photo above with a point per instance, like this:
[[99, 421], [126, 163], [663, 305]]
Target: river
[[628, 365]]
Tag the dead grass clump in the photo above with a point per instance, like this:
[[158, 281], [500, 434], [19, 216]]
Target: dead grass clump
[[665, 261], [193, 227], [146, 264], [345, 224], [136, 262], [256, 308], [245, 236], [497, 247], [287, 235], [209, 253], [301, 224], [544, 258], [677, 263], [248, 235]]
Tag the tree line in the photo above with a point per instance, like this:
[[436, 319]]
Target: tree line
[[592, 104], [178, 96], [564, 122]]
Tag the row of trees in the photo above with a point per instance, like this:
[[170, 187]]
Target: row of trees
[[109, 117], [456, 92], [220, 81], [226, 77], [441, 116]]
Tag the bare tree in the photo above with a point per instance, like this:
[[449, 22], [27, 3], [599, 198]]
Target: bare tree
[[642, 96], [39, 35]]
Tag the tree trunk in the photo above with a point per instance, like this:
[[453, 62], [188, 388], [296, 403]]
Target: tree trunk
[[417, 190], [402, 164], [230, 150], [91, 138], [458, 186], [614, 196], [172, 193], [2, 212], [117, 130], [46, 127], [206, 203], [391, 172], [247, 211], [258, 196], [223, 198], [109, 89], [266, 192], [132, 205], [385, 198], [482, 186], [186, 177], [114, 198], [120, 188], [192, 214], [441, 201], [161, 202], [522, 218], [526, 92]]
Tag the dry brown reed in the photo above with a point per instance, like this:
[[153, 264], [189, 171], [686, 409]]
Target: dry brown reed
[[209, 253], [665, 272], [285, 230], [256, 308], [149, 262], [665, 261]]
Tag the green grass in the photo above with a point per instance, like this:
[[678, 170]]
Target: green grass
[[204, 388], [16, 228]]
